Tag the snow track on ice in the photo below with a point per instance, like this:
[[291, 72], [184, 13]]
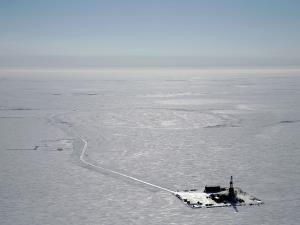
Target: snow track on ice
[[83, 160]]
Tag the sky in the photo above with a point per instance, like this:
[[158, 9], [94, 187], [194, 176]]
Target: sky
[[149, 33]]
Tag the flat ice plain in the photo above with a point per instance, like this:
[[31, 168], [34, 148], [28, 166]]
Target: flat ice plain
[[179, 132]]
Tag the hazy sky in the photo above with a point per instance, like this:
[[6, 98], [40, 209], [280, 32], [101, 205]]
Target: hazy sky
[[145, 33]]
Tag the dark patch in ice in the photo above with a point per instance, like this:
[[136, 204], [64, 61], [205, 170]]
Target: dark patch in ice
[[282, 122], [23, 149], [85, 94], [289, 121], [221, 126], [21, 109], [66, 123], [16, 109], [57, 94], [35, 148]]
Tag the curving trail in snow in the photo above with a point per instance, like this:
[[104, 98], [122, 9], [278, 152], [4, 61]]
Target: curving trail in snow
[[82, 159]]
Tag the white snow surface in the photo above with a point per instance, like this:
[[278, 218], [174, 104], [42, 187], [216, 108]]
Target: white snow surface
[[174, 133]]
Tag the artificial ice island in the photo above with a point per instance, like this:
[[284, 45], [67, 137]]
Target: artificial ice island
[[216, 196]]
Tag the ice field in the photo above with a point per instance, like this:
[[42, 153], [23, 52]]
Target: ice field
[[176, 132]]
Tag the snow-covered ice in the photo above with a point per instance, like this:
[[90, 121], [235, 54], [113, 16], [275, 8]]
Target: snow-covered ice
[[174, 132]]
